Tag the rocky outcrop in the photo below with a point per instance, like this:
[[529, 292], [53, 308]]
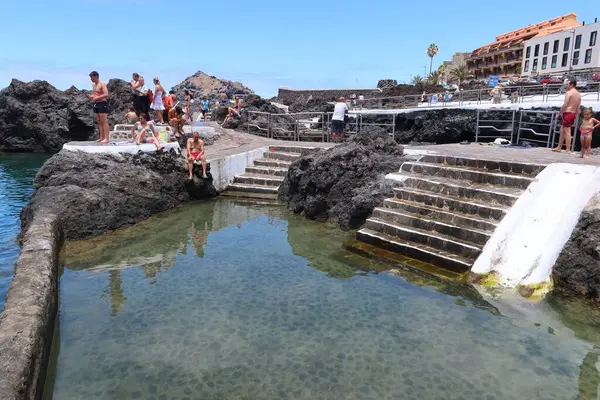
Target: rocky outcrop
[[37, 117], [96, 193], [343, 184], [201, 84], [577, 269]]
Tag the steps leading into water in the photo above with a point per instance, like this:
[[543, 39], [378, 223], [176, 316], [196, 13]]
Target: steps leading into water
[[446, 208], [262, 179]]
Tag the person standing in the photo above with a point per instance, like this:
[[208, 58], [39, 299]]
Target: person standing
[[189, 99], [157, 104], [587, 128], [99, 97], [134, 84], [168, 103], [204, 107], [338, 119], [142, 96], [568, 113]]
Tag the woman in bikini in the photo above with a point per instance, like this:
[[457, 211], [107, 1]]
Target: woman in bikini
[[586, 129], [143, 130], [189, 99]]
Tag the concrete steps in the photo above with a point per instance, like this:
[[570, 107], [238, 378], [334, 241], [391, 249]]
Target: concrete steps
[[262, 180], [445, 209]]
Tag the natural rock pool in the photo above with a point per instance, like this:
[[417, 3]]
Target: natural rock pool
[[223, 300]]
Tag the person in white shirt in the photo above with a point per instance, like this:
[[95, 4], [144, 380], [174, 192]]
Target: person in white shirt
[[338, 119]]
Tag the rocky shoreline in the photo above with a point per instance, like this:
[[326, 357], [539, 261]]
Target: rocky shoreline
[[344, 184], [94, 193]]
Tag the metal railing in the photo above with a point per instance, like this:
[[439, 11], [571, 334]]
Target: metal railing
[[502, 125], [543, 93], [315, 125]]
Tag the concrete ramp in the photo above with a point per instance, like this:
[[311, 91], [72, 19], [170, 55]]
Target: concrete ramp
[[528, 240]]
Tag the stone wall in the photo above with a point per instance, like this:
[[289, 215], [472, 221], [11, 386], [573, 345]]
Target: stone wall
[[291, 96], [27, 321]]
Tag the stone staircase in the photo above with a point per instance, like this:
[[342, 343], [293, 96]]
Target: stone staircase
[[263, 178], [446, 208]]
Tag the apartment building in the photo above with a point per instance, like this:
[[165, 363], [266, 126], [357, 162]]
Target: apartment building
[[572, 50], [504, 56]]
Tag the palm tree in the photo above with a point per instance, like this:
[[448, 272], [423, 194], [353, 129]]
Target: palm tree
[[434, 78], [460, 73], [432, 50], [417, 79]]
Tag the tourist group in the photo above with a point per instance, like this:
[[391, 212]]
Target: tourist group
[[164, 108]]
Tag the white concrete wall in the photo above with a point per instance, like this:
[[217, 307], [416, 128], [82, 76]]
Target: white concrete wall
[[585, 32], [527, 242], [224, 169]]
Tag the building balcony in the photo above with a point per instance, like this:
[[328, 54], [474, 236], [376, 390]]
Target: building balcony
[[483, 55]]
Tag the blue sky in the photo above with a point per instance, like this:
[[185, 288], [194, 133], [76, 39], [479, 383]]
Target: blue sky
[[263, 43]]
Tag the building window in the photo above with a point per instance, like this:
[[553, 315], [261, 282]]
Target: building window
[[528, 52], [565, 60], [535, 63], [546, 46], [554, 59], [588, 56], [536, 52], [555, 48], [544, 62], [567, 43], [575, 57], [526, 66], [577, 41], [593, 37]]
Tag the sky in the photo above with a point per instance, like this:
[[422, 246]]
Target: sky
[[265, 44]]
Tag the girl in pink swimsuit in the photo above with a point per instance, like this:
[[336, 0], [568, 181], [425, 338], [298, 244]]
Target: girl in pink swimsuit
[[586, 129]]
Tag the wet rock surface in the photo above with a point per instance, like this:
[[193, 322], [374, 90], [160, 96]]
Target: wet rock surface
[[37, 117], [577, 269], [343, 184], [96, 193]]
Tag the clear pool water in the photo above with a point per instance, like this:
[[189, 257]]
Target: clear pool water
[[16, 186], [221, 300]]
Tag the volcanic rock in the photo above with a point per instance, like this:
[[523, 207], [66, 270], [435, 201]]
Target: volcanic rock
[[343, 184], [577, 269], [201, 84], [37, 117], [96, 193]]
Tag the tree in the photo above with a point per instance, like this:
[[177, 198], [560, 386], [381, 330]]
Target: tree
[[434, 78], [416, 80], [442, 69], [460, 73], [432, 50]]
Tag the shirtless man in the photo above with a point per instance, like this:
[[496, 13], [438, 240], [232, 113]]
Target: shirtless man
[[99, 97], [568, 113], [176, 120], [195, 151]]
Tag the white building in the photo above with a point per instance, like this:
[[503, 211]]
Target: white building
[[576, 50]]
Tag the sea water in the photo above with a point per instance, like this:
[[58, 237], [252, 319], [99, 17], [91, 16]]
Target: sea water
[[225, 300], [16, 186]]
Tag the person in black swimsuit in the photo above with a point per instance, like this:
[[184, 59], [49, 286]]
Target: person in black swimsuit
[[99, 97]]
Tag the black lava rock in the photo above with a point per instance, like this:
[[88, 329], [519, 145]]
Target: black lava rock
[[96, 193], [343, 184]]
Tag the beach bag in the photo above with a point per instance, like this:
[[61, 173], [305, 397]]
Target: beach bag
[[150, 96], [163, 135]]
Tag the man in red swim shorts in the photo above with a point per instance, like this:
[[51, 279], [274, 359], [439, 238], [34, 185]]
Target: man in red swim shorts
[[568, 113], [195, 152]]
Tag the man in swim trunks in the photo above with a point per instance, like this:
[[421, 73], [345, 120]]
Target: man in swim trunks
[[195, 152], [568, 113], [99, 97]]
